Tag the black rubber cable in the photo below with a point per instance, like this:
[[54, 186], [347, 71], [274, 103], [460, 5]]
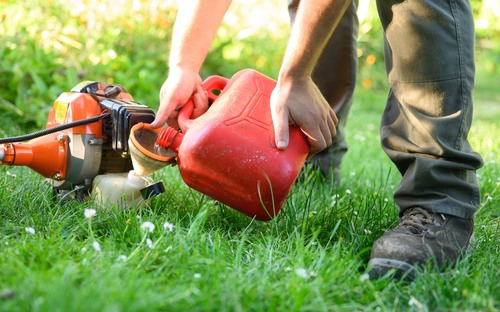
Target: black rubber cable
[[54, 129], [114, 91]]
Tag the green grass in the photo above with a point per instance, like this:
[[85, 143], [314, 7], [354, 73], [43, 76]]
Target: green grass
[[312, 257]]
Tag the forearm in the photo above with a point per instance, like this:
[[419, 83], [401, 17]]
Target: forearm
[[314, 24], [194, 30]]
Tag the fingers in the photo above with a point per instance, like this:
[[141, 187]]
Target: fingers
[[334, 117], [172, 120], [332, 122], [316, 140], [322, 134], [200, 101]]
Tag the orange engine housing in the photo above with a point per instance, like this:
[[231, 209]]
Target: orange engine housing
[[73, 156]]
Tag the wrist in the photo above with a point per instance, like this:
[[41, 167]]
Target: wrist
[[182, 69], [184, 63], [288, 78]]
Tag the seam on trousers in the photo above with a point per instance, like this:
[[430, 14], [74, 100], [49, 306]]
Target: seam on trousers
[[464, 88], [461, 65]]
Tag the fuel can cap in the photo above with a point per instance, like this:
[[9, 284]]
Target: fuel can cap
[[152, 190]]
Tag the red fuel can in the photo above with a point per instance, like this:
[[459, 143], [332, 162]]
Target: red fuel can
[[229, 152]]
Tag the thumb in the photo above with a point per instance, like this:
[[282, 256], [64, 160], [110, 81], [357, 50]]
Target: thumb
[[168, 103], [281, 135], [280, 120], [161, 115], [159, 121]]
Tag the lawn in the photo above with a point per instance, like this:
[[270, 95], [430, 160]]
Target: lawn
[[183, 251], [202, 256]]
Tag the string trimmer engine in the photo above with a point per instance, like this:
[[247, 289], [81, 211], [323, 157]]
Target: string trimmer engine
[[86, 135]]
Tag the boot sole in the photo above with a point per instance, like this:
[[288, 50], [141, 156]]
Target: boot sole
[[380, 267]]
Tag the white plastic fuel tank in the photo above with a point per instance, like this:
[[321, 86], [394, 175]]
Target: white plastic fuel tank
[[122, 189]]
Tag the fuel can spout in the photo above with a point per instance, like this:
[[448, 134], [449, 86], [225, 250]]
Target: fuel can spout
[[146, 155], [169, 138], [47, 155]]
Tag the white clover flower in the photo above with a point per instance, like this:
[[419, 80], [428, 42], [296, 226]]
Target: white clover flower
[[169, 227], [89, 213], [302, 273], [148, 226], [96, 246], [149, 243], [30, 230], [348, 192], [414, 301], [197, 275], [364, 277], [122, 258]]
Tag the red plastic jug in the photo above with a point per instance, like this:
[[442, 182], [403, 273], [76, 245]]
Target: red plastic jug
[[229, 152]]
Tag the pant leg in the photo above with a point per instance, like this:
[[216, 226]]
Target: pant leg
[[429, 50], [335, 76]]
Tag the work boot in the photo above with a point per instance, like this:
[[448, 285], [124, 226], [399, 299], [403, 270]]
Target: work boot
[[420, 236]]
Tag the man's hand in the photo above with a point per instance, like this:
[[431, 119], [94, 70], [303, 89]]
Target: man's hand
[[181, 85], [299, 102]]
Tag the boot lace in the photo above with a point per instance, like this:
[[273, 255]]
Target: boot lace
[[418, 221]]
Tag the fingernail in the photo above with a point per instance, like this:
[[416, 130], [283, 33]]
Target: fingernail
[[281, 144]]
